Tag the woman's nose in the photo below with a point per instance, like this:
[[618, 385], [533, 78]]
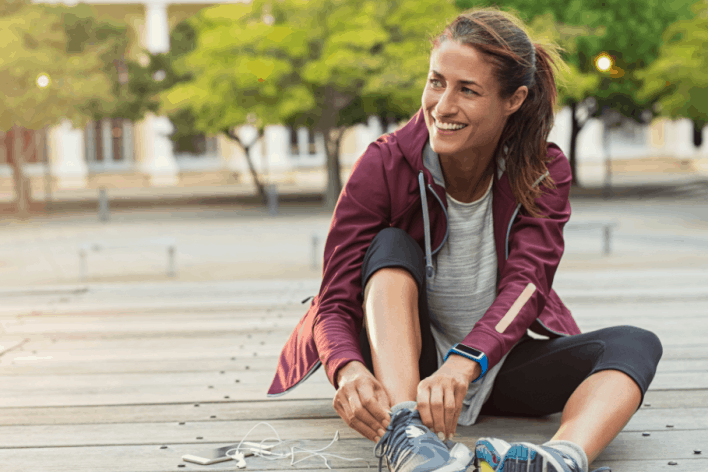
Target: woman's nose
[[447, 104]]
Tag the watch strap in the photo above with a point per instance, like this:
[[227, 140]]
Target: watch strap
[[482, 361]]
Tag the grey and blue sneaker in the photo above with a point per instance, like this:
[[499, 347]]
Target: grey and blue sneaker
[[527, 457], [489, 452], [409, 446]]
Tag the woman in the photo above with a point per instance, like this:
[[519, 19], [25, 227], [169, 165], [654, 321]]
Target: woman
[[441, 255]]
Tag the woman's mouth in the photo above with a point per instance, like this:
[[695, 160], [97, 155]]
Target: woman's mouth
[[448, 128]]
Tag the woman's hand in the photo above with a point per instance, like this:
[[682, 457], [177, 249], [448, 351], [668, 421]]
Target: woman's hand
[[361, 401], [440, 395]]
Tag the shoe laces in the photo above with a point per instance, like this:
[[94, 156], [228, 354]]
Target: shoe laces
[[395, 443]]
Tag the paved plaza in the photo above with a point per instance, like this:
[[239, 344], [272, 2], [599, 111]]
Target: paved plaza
[[128, 368], [240, 241]]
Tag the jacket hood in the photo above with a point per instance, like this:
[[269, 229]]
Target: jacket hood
[[411, 139]]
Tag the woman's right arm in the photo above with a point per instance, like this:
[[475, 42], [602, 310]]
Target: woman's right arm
[[361, 401], [363, 209]]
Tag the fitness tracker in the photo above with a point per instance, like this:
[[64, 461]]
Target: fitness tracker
[[472, 354]]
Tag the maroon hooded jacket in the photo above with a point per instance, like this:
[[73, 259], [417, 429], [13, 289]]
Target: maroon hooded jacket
[[389, 187]]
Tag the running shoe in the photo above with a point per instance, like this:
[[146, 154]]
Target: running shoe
[[409, 446], [527, 457], [489, 453]]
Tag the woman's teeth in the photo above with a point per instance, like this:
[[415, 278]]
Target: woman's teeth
[[448, 126]]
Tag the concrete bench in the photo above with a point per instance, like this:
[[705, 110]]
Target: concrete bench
[[164, 244], [605, 226]]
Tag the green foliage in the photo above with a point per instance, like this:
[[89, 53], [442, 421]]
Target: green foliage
[[318, 63], [679, 77], [629, 30], [70, 46]]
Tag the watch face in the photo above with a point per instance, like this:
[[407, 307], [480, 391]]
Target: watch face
[[468, 350]]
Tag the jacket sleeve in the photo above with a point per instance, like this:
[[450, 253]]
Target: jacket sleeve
[[363, 209], [535, 249]]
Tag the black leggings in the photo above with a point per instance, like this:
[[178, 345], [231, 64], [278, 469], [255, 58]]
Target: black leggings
[[539, 375]]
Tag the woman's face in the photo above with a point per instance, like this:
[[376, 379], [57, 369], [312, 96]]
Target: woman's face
[[463, 110]]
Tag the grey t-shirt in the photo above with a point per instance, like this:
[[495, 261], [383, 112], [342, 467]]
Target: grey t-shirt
[[463, 286]]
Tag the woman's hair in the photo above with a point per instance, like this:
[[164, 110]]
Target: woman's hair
[[517, 61]]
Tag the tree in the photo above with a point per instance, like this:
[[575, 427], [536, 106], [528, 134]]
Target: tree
[[627, 30], [679, 77], [322, 64], [52, 66]]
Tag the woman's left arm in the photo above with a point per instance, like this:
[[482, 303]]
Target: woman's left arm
[[535, 249]]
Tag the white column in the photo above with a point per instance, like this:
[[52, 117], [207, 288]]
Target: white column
[[158, 28], [154, 147], [562, 126], [361, 133], [591, 153], [701, 163], [66, 154], [277, 142], [303, 142], [128, 141], [375, 129], [107, 140], [679, 139]]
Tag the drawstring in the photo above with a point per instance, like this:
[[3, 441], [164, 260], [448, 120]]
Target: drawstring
[[429, 253], [447, 226], [426, 227]]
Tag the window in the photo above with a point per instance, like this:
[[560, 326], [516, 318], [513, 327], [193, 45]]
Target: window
[[108, 142]]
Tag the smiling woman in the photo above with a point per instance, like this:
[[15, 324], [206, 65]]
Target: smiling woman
[[441, 255], [487, 75]]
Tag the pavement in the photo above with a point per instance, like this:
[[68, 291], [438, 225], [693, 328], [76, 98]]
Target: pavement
[[236, 239]]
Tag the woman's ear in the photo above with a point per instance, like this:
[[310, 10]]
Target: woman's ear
[[516, 100]]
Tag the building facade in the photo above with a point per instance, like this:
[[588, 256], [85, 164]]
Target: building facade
[[120, 153]]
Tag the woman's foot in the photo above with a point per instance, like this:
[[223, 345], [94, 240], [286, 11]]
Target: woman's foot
[[527, 457], [409, 446], [489, 453]]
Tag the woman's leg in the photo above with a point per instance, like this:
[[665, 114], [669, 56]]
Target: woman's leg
[[396, 323], [598, 410], [391, 320], [597, 379]]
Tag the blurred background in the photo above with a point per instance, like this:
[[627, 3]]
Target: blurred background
[[157, 140]]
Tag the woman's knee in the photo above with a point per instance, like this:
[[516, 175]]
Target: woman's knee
[[638, 339], [393, 248], [636, 349]]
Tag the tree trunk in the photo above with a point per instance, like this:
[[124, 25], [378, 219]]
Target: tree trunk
[[254, 174], [573, 157], [22, 184], [333, 137]]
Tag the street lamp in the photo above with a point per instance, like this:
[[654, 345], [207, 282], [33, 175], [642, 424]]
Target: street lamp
[[604, 63], [43, 81]]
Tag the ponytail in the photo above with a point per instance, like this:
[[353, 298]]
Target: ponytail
[[517, 62]]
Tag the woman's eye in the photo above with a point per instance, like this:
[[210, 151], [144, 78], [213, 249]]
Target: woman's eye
[[468, 91], [435, 83]]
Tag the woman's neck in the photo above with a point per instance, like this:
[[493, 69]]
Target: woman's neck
[[466, 180]]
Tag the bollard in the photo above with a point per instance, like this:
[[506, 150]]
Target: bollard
[[171, 266], [103, 210], [606, 243], [314, 252], [82, 263], [272, 196]]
